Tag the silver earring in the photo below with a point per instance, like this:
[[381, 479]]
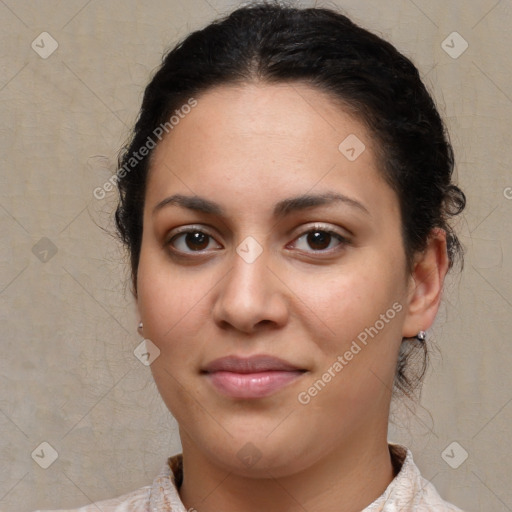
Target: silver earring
[[421, 336], [139, 328]]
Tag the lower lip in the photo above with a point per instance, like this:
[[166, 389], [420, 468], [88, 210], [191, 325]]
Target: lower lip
[[251, 385]]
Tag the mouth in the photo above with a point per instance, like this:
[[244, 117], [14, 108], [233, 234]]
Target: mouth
[[254, 377]]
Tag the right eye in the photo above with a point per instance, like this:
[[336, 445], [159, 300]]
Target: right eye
[[191, 240]]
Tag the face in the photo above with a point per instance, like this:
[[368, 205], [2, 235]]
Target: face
[[292, 249]]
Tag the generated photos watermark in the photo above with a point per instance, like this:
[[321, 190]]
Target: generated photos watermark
[[362, 339], [137, 156]]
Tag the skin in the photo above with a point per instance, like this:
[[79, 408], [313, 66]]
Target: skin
[[246, 148]]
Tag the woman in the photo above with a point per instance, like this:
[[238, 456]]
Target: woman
[[285, 201]]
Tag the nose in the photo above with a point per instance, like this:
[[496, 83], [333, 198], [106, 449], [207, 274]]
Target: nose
[[251, 297]]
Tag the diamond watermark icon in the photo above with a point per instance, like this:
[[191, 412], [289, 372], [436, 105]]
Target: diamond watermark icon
[[454, 45], [249, 250], [249, 454], [45, 455], [44, 249], [454, 455], [146, 352], [44, 45], [352, 147]]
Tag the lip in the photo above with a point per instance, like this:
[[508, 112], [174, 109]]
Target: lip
[[252, 377], [253, 364]]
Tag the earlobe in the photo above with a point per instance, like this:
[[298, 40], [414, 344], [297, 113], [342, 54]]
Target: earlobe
[[426, 285]]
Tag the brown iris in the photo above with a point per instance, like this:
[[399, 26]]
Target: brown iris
[[196, 241], [318, 239]]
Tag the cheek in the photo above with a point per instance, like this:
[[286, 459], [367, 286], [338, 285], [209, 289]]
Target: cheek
[[344, 303], [173, 320], [364, 312], [171, 302]]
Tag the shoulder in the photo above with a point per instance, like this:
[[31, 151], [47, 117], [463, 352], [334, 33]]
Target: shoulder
[[161, 495], [409, 491], [134, 501], [427, 499]]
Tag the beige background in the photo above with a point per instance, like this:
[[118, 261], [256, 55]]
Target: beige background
[[68, 375]]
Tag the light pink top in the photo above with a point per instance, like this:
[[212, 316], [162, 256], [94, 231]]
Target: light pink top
[[408, 491]]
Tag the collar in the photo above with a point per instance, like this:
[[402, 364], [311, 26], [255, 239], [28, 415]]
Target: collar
[[407, 484]]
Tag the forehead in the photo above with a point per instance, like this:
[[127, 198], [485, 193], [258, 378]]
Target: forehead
[[265, 139], [294, 113]]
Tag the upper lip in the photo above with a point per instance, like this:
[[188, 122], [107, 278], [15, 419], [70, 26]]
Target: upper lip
[[253, 364]]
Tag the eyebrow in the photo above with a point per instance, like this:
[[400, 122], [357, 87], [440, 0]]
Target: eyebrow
[[281, 209]]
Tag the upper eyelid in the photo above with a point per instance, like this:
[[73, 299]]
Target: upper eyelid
[[183, 230], [321, 227], [315, 225]]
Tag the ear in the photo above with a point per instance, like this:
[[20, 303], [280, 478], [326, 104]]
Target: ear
[[426, 285]]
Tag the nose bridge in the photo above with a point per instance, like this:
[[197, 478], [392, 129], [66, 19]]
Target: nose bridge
[[248, 279], [250, 293]]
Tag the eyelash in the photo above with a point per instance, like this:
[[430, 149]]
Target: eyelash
[[314, 229]]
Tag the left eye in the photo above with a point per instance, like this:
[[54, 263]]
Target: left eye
[[320, 239]]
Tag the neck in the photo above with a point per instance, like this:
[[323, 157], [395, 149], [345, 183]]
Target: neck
[[347, 479]]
